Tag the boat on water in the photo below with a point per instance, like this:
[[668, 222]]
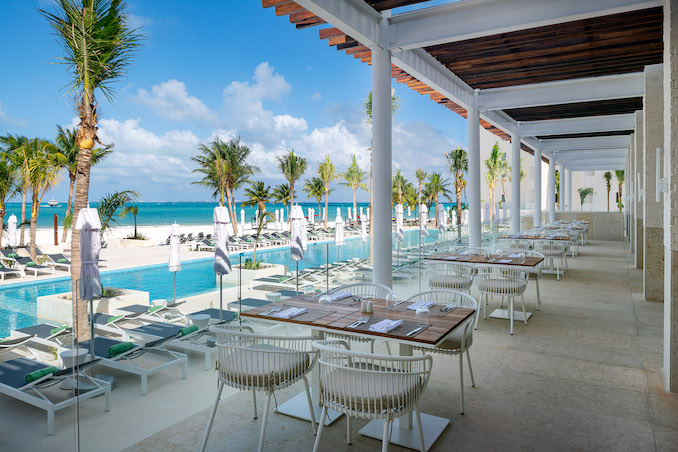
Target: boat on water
[[53, 203]]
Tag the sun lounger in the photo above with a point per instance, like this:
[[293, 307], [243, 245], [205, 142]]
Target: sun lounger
[[33, 382], [163, 313], [205, 245], [226, 316], [29, 265], [9, 344], [59, 261], [5, 271], [248, 303], [283, 281], [45, 334]]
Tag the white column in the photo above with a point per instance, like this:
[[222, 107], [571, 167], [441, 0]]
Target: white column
[[551, 199], [473, 120], [568, 190], [561, 195], [515, 183], [381, 152], [537, 188]]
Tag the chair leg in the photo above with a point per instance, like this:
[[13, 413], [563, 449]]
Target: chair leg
[[485, 297], [348, 430], [384, 439], [470, 369], [320, 429], [372, 346], [254, 402], [388, 347], [310, 404], [522, 298], [538, 293], [511, 314], [263, 425], [420, 429], [211, 420], [461, 383]]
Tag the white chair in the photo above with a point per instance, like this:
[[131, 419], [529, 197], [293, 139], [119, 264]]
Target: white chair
[[536, 274], [460, 340], [554, 253], [505, 282], [363, 290], [258, 362], [450, 276], [370, 386], [515, 244], [573, 242], [475, 251]]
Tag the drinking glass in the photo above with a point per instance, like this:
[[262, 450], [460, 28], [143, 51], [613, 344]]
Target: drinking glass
[[309, 290], [391, 300], [423, 315], [325, 302]]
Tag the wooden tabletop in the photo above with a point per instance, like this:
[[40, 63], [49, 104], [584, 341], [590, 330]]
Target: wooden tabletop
[[466, 259], [531, 237], [346, 315]]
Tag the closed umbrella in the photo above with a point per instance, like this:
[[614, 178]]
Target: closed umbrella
[[423, 220], [505, 212], [363, 229], [441, 219], [174, 256], [355, 215], [348, 215], [339, 231], [11, 230], [296, 245], [88, 224], [222, 261], [399, 233], [409, 212], [242, 221]]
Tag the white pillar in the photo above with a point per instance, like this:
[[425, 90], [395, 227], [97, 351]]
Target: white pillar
[[473, 120], [537, 188], [561, 195], [515, 183], [551, 198], [381, 151], [568, 189]]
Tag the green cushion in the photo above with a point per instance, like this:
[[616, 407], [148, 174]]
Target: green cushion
[[283, 279], [12, 255], [188, 330], [117, 349], [5, 340], [154, 308], [115, 318], [30, 264], [38, 374], [63, 260], [56, 330]]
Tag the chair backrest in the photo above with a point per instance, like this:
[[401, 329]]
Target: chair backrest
[[475, 251], [501, 280], [516, 244], [247, 360], [523, 253], [440, 269], [446, 297], [549, 246], [368, 385], [373, 290]]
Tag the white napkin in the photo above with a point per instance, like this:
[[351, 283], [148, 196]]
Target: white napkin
[[420, 304], [451, 258], [514, 255], [385, 326], [339, 296], [465, 253], [550, 236], [505, 261], [290, 313]]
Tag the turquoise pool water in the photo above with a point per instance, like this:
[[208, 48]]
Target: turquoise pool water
[[18, 306]]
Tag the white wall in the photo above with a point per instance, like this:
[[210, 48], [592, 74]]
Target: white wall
[[599, 200]]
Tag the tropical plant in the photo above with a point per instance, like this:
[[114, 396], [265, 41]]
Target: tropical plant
[[134, 210], [9, 185], [458, 161], [584, 193], [607, 175], [292, 166], [495, 166], [315, 188], [436, 187], [98, 45], [421, 175], [258, 194], [327, 172], [556, 195], [410, 197], [281, 194], [67, 143], [17, 148], [108, 207], [523, 175], [354, 178], [399, 183], [619, 174]]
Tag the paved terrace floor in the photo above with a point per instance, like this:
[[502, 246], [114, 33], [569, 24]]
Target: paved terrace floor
[[584, 374]]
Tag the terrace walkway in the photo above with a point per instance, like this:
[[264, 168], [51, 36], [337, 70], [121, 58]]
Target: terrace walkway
[[584, 374]]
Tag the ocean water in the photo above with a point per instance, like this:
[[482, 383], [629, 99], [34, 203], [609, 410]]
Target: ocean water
[[185, 213], [18, 305]]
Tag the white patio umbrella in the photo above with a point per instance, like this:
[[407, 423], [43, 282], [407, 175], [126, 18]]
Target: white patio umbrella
[[174, 254], [454, 219], [296, 244], [368, 215], [505, 212], [485, 213], [310, 215], [442, 221], [423, 220], [363, 229], [409, 212], [399, 233], [242, 221], [11, 231], [355, 215], [361, 213], [89, 224], [348, 215], [496, 214], [222, 261], [338, 241]]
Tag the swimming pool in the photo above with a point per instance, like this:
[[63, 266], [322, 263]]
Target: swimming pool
[[18, 305]]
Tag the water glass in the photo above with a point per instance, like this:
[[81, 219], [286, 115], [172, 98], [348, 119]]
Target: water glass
[[325, 302], [309, 290], [390, 302], [423, 315]]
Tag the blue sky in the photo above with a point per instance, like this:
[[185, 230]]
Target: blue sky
[[211, 69]]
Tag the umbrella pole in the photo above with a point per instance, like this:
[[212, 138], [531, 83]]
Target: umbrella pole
[[327, 267], [297, 278], [175, 286], [398, 255], [419, 262], [221, 296], [240, 291]]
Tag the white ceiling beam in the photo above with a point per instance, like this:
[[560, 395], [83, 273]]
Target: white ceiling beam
[[473, 19], [599, 167], [563, 92], [354, 17], [593, 143], [560, 158], [589, 124]]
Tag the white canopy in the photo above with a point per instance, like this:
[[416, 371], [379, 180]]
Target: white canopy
[[399, 233], [222, 261], [89, 224], [174, 249]]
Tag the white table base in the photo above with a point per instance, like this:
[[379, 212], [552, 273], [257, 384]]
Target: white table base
[[504, 314], [433, 427], [297, 407]]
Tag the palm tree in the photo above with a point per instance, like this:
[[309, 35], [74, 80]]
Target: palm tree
[[293, 167], [238, 171], [44, 167], [134, 210], [435, 187], [281, 193], [421, 175], [496, 166], [608, 184], [327, 172], [258, 194], [315, 188], [458, 161], [67, 143], [108, 207], [619, 174], [354, 177], [410, 197], [583, 194], [9, 185], [18, 149], [399, 183], [98, 46]]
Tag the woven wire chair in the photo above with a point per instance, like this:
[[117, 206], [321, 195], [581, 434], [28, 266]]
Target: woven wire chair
[[515, 244], [502, 281], [369, 386], [450, 276], [554, 253], [363, 290], [475, 251], [258, 362], [573, 243], [536, 274], [460, 340]]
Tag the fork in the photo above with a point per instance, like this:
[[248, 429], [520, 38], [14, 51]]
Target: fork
[[359, 322], [272, 310]]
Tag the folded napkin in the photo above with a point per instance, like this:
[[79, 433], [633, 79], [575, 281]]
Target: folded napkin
[[339, 296], [451, 258], [465, 253], [385, 326], [551, 237], [514, 255], [420, 304], [290, 313], [504, 261]]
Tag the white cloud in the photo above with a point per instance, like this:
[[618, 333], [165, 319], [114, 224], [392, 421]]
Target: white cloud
[[171, 100], [8, 120], [135, 21], [316, 97]]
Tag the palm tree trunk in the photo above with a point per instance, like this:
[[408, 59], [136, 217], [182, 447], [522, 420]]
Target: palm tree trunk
[[35, 206], [320, 210], [608, 199], [437, 211], [291, 204], [457, 190], [135, 226], [23, 215], [231, 210], [355, 203], [327, 213], [2, 218], [64, 234]]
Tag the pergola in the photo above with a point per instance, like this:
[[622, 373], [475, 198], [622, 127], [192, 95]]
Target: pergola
[[577, 83]]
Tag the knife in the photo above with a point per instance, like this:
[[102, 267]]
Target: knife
[[416, 330]]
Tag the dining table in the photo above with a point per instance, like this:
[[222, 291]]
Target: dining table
[[340, 317]]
